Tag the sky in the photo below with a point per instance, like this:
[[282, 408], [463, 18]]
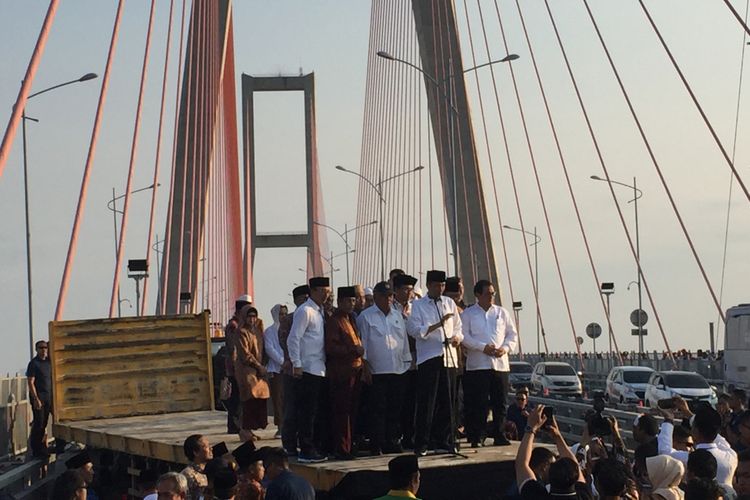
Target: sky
[[331, 38]]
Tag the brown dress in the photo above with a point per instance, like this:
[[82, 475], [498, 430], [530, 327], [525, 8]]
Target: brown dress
[[253, 388]]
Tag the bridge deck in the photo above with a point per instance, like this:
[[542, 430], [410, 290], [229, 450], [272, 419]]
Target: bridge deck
[[161, 437]]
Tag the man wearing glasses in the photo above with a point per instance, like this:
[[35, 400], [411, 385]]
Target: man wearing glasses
[[518, 412]]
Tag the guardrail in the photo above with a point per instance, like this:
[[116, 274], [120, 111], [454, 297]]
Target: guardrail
[[15, 415]]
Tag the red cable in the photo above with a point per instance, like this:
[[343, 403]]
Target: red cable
[[28, 80], [695, 101], [565, 169], [489, 156], [152, 216], [541, 197], [89, 158], [167, 237], [604, 166], [656, 164]]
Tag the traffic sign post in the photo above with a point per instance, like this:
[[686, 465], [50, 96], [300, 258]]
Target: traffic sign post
[[593, 331], [639, 318]]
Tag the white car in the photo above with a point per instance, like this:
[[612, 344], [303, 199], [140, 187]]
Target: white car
[[556, 378], [689, 385], [627, 384]]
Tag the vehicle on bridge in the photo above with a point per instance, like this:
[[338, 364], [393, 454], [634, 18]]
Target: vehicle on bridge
[[627, 384], [556, 378], [520, 374], [737, 347], [690, 386]]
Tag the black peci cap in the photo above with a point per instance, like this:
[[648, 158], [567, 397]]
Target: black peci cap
[[300, 290], [404, 280], [453, 284], [319, 281], [344, 292], [435, 276]]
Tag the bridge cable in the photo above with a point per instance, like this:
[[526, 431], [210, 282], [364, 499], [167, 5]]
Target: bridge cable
[[655, 162], [157, 154], [489, 159], [734, 151], [605, 170], [695, 100], [73, 243], [167, 237], [564, 166]]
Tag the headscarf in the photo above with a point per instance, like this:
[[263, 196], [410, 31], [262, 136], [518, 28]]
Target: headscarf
[[665, 474], [274, 327], [243, 321]]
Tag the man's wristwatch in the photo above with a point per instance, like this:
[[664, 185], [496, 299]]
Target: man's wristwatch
[[529, 430]]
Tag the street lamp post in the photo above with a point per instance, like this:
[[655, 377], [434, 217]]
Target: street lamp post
[[345, 236], [86, 77], [447, 94], [537, 239], [112, 206], [637, 193], [378, 187], [608, 289]]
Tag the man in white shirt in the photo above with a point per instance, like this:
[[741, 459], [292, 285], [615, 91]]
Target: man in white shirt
[[387, 358], [435, 325], [403, 296], [306, 345], [704, 427], [489, 336]]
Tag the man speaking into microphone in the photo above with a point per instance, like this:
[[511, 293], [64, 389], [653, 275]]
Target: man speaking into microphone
[[436, 327]]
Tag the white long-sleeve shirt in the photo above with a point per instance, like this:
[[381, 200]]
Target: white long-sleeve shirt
[[426, 312], [384, 340], [726, 457], [306, 342], [493, 326], [272, 347]]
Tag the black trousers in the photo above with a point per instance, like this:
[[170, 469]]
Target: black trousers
[[386, 401], [289, 424], [433, 421], [409, 407], [37, 442], [233, 407], [307, 393], [484, 389]]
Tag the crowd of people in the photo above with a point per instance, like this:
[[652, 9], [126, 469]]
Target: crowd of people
[[380, 371], [695, 453]]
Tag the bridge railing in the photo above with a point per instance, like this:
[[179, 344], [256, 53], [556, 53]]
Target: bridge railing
[[15, 415]]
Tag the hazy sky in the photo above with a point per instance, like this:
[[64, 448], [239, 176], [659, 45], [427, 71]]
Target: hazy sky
[[331, 38]]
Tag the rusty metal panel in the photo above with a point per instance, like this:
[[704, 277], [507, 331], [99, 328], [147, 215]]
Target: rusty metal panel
[[107, 368]]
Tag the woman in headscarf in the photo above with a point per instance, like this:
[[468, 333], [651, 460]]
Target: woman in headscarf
[[275, 356], [665, 474], [251, 374]]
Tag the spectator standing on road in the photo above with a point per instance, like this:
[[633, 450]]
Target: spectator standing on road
[[251, 374], [39, 380], [275, 354], [705, 426], [250, 472]]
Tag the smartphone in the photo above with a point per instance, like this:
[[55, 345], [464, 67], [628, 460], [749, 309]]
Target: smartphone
[[549, 412], [666, 404]]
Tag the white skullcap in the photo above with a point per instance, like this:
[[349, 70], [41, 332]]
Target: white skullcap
[[368, 291], [245, 298]]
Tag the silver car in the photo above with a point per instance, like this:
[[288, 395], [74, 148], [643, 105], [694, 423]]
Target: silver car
[[556, 378], [520, 374], [627, 384]]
